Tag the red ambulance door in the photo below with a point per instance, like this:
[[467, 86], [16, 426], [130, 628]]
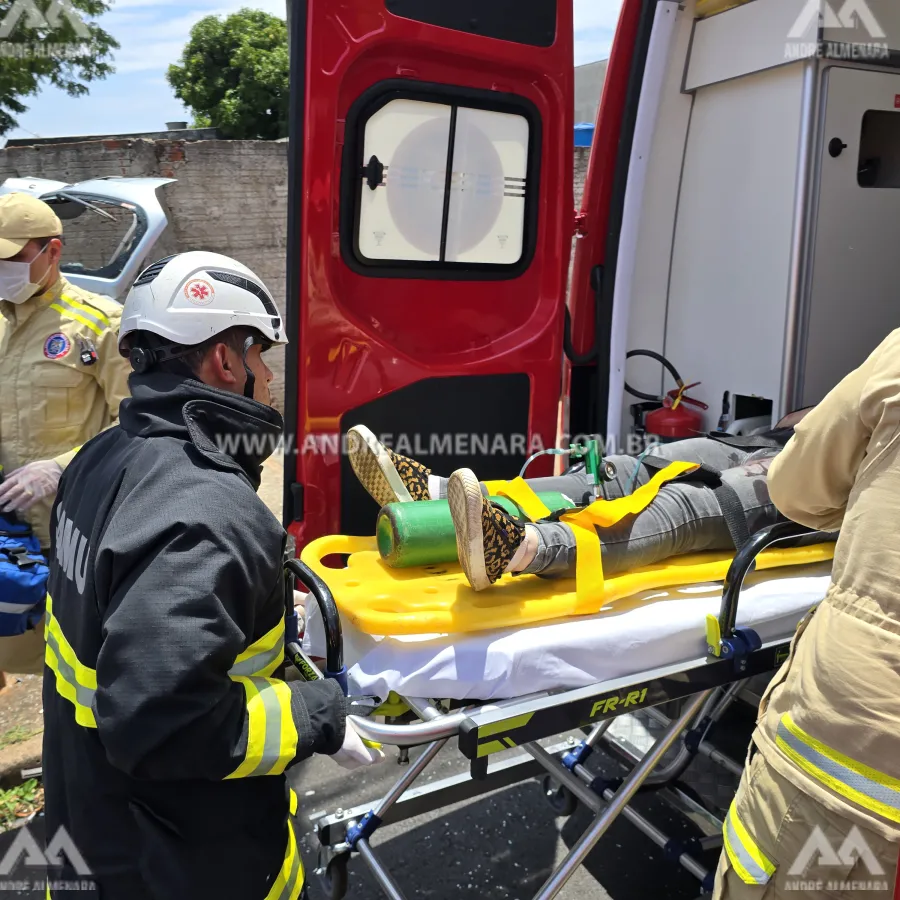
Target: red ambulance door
[[431, 224]]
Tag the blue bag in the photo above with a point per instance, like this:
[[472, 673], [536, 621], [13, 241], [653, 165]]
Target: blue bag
[[23, 579]]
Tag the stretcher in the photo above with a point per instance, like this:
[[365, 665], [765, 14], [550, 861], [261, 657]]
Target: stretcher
[[678, 672]]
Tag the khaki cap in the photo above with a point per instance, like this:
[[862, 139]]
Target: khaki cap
[[22, 219]]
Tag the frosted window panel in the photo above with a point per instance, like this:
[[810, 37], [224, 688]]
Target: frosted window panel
[[402, 218], [487, 192]]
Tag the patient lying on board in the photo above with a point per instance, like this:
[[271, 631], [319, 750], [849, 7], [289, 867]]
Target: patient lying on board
[[689, 515]]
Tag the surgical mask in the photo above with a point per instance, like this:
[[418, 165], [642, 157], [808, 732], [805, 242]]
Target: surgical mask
[[14, 284]]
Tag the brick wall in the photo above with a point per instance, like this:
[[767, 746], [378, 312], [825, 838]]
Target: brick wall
[[230, 197]]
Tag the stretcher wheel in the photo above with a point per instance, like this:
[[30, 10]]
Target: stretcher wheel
[[561, 800], [334, 880]]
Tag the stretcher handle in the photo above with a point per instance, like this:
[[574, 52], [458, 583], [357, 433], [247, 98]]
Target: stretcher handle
[[745, 560], [334, 638]]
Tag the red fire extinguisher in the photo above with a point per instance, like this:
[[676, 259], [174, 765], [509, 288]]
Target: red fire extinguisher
[[675, 422]]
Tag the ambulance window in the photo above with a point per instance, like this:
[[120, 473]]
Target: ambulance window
[[411, 214], [487, 190], [879, 150], [402, 217]]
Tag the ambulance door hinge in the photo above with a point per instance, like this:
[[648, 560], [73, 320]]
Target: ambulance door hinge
[[581, 223]]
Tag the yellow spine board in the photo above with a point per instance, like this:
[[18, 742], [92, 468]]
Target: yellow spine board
[[380, 600]]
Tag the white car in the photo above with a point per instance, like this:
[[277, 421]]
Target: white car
[[110, 226]]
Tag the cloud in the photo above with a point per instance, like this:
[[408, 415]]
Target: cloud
[[596, 14], [595, 28], [152, 34]]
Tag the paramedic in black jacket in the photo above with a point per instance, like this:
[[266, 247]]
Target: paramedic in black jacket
[[168, 727]]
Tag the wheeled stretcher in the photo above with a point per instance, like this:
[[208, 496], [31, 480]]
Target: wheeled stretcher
[[692, 664]]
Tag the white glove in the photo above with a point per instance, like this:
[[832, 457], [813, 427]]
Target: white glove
[[23, 488], [300, 609], [355, 754]]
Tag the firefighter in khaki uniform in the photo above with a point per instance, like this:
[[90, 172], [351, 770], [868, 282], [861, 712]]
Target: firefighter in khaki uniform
[[62, 378], [818, 811]]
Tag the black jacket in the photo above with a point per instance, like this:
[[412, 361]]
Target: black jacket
[[167, 725]]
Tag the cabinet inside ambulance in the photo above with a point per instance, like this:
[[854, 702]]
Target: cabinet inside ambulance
[[739, 222], [758, 249]]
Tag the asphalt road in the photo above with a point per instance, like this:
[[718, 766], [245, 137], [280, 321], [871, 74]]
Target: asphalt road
[[504, 845]]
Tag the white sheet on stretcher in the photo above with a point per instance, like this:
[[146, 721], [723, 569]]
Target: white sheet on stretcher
[[666, 628]]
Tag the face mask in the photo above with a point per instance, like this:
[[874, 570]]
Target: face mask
[[14, 284]]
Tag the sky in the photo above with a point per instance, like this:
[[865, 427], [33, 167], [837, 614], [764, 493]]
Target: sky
[[152, 34]]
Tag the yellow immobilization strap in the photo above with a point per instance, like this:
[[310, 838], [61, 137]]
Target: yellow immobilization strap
[[590, 586], [522, 495], [604, 513]]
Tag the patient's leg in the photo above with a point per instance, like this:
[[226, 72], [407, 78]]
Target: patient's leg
[[390, 478], [631, 474], [684, 518]]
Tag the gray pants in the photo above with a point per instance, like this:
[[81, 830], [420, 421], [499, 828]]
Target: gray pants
[[684, 517]]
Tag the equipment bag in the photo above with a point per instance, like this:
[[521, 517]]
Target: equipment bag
[[23, 579]]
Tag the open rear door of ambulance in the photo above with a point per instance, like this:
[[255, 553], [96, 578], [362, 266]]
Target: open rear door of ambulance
[[589, 341], [431, 219]]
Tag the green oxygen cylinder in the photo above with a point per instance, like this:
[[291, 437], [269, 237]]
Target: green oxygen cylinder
[[422, 533]]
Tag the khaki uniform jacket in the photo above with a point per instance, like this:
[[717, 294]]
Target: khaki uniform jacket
[[50, 401], [830, 720]]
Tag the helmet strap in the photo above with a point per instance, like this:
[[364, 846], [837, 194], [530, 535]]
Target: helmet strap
[[144, 359], [250, 386]]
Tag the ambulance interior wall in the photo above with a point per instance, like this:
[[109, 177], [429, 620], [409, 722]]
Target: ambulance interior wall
[[731, 259], [647, 321], [230, 197]]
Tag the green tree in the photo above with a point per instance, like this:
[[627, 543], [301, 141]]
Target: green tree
[[234, 75], [49, 42]]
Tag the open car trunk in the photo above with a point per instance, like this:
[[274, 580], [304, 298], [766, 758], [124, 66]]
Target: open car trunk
[[110, 226]]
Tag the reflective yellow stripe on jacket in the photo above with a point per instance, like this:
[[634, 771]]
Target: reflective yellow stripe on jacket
[[74, 681], [70, 308], [272, 736], [868, 787], [290, 878], [750, 863]]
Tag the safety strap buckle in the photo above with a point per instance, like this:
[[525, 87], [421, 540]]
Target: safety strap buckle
[[19, 556]]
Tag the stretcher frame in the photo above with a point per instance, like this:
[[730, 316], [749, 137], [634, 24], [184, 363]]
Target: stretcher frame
[[705, 688]]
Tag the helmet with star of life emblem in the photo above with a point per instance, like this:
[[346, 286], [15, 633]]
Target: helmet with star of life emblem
[[188, 299]]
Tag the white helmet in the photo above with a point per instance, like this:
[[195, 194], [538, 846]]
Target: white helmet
[[189, 298]]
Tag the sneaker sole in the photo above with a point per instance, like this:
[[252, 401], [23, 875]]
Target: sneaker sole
[[466, 504], [374, 468]]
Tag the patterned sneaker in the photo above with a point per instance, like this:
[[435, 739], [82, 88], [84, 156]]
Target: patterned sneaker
[[387, 476], [486, 536]]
